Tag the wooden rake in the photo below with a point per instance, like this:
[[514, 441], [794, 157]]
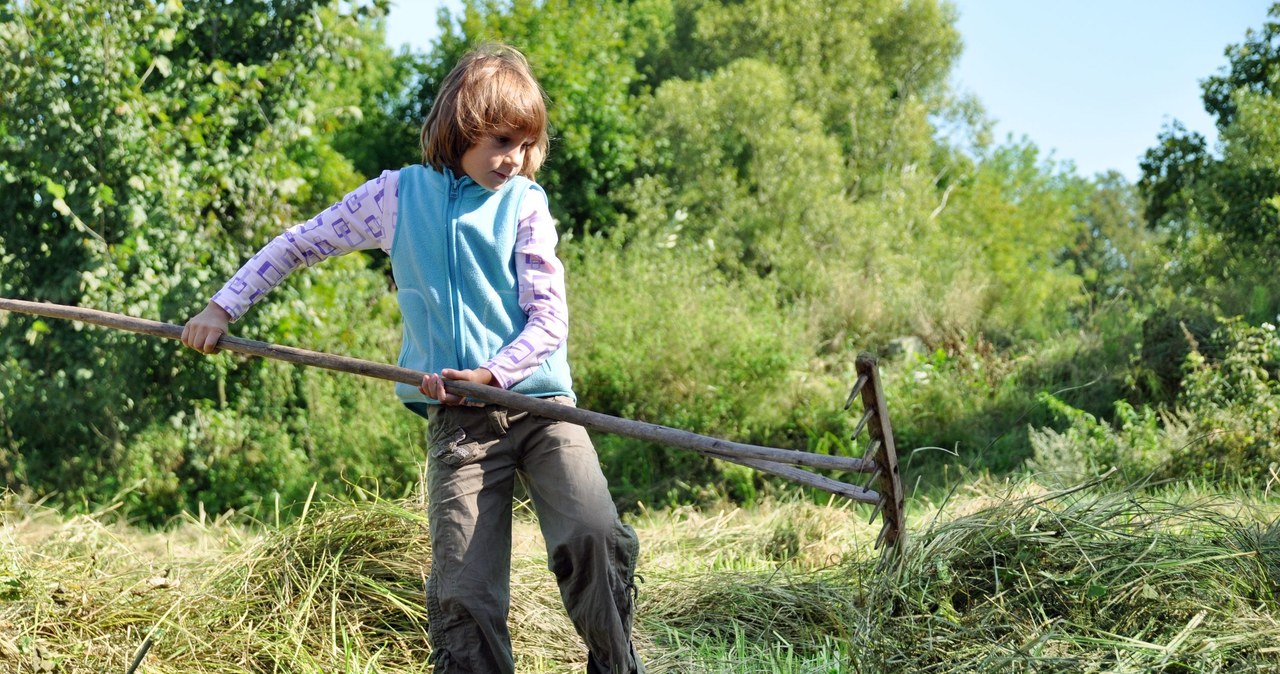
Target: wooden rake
[[880, 462]]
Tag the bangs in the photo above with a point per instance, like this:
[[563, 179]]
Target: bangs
[[503, 100]]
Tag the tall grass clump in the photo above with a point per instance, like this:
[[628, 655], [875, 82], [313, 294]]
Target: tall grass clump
[[1081, 581], [340, 586], [333, 591]]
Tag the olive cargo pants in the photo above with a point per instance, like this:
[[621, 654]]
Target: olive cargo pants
[[476, 454]]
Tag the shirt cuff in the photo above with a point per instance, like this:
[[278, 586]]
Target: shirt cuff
[[500, 379], [229, 308]]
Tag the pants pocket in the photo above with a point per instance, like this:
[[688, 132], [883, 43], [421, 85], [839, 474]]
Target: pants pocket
[[454, 440]]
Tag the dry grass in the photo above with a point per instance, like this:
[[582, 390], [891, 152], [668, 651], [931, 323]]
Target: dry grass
[[1006, 578], [1084, 581]]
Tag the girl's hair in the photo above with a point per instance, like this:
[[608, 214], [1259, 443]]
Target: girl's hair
[[491, 88]]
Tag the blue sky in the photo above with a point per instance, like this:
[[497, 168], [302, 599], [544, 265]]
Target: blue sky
[[1089, 81]]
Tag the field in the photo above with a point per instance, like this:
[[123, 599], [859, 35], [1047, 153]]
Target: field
[[746, 195], [995, 577]]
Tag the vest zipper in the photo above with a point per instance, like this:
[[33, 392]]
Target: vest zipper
[[455, 289]]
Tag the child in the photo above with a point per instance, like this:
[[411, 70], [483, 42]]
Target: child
[[472, 248]]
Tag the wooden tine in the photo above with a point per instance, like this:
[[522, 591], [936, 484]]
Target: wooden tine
[[857, 388], [872, 449], [862, 423], [875, 512], [884, 530]]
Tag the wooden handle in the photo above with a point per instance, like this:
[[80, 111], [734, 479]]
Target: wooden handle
[[766, 459]]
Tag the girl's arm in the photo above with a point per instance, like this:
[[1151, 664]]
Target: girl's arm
[[540, 278], [363, 220]]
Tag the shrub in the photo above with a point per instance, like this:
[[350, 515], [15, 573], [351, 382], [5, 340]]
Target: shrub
[[1225, 422]]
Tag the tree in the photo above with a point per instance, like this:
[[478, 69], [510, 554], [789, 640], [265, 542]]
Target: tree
[[149, 147], [1115, 253], [873, 72], [1223, 210]]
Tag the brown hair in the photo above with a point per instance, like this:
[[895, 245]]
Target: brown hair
[[491, 88]]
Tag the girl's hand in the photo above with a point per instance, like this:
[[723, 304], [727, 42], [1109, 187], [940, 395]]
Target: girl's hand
[[433, 384], [204, 329]]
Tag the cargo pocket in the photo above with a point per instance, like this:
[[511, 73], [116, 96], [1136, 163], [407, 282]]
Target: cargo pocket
[[452, 443]]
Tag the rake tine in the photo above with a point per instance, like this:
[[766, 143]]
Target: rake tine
[[872, 448], [857, 388], [862, 423], [875, 512], [874, 476], [884, 531]]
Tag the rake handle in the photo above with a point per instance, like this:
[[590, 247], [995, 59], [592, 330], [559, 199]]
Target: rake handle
[[770, 460]]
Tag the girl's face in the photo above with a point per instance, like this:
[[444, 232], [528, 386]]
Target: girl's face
[[492, 160]]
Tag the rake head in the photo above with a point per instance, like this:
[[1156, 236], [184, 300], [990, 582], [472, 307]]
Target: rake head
[[881, 451]]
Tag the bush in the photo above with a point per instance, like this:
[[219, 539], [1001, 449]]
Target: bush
[[661, 336], [1225, 422], [150, 148]]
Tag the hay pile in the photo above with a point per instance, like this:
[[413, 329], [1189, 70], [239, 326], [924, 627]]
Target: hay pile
[[1082, 582], [1078, 581]]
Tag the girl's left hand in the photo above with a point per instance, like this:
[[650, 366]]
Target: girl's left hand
[[433, 384]]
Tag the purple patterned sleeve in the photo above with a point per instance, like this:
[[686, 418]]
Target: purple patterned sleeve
[[540, 276], [363, 220]]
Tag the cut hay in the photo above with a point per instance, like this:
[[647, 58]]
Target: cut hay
[[1080, 581]]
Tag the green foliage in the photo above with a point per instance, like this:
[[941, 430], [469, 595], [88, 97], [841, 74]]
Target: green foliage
[[1254, 67], [661, 337], [740, 168], [369, 107], [1012, 221], [1236, 404], [955, 409], [150, 148], [1225, 423], [1169, 172], [868, 70], [1114, 253], [1222, 209]]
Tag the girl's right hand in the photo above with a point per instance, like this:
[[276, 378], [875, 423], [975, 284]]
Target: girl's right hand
[[433, 384], [204, 329]]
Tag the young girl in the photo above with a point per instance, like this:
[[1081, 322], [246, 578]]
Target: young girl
[[481, 291]]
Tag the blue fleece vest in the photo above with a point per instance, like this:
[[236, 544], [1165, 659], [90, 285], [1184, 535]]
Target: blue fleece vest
[[453, 260]]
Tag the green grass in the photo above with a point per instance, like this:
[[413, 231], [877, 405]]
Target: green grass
[[1000, 577]]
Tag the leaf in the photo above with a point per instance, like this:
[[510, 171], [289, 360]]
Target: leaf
[[10, 588], [58, 191], [107, 195], [158, 583]]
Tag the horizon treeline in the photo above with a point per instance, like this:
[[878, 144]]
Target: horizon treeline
[[748, 194]]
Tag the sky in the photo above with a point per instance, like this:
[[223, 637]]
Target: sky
[[1092, 82]]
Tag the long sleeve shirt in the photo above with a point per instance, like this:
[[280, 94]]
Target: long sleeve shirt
[[366, 219]]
